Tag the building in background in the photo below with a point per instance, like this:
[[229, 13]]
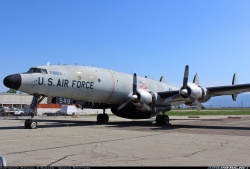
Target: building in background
[[12, 101]]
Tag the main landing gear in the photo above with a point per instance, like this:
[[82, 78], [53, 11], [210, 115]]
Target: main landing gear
[[30, 123], [103, 118], [162, 119]]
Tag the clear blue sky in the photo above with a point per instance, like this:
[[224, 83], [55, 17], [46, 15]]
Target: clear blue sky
[[149, 37]]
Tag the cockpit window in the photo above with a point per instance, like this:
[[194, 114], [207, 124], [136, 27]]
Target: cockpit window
[[37, 70], [44, 71]]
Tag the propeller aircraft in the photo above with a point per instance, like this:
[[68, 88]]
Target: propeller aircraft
[[128, 96]]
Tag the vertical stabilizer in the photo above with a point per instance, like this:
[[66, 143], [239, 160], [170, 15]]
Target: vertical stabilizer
[[162, 79], [196, 80]]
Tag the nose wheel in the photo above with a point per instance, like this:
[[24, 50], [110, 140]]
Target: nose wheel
[[31, 124]]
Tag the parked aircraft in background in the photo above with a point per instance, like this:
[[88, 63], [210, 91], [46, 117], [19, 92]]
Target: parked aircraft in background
[[128, 96]]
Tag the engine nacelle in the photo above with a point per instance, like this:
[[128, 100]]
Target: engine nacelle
[[198, 93], [143, 96]]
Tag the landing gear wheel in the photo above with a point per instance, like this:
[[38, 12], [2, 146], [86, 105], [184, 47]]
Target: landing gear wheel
[[162, 120], [167, 120], [105, 118], [99, 118], [26, 123], [102, 118], [31, 124]]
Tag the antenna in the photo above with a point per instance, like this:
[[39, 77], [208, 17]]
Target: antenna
[[48, 63]]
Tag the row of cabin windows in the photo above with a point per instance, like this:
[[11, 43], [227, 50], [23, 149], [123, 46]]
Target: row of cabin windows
[[55, 73], [43, 71]]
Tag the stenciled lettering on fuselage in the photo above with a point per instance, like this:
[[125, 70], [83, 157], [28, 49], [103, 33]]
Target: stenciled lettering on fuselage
[[66, 83]]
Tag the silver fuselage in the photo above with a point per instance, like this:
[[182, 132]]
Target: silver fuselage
[[90, 84]]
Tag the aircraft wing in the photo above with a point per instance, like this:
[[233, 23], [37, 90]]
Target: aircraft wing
[[168, 94], [228, 90], [213, 91]]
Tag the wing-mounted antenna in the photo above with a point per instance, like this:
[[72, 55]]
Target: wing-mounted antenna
[[162, 79], [234, 82], [196, 79]]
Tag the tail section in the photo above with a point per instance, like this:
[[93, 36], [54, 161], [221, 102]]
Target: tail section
[[196, 80], [162, 79]]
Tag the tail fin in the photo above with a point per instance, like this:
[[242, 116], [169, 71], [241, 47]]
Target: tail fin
[[196, 79], [162, 79], [234, 82]]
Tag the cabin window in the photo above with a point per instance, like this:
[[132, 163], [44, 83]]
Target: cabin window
[[55, 72]]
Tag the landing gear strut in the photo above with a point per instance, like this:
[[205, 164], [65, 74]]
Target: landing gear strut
[[162, 119], [103, 118], [30, 123]]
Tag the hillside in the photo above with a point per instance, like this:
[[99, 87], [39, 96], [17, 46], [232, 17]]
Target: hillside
[[243, 100]]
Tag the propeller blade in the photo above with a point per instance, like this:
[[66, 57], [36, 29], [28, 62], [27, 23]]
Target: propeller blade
[[145, 105], [197, 103], [185, 80], [133, 97], [123, 105], [134, 84]]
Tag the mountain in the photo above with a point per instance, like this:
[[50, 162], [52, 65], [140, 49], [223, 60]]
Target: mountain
[[243, 100]]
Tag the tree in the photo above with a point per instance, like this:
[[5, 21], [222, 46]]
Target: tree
[[11, 91]]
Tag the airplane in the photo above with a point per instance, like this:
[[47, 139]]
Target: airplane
[[128, 96]]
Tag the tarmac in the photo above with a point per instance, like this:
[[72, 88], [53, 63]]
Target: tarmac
[[67, 141]]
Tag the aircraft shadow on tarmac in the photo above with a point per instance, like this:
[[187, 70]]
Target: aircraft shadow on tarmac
[[53, 123]]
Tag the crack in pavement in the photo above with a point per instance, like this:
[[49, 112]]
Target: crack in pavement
[[194, 153], [74, 145]]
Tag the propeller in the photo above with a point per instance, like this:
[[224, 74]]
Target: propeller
[[134, 97], [185, 91]]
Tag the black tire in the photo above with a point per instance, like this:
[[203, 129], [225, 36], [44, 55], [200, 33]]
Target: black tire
[[27, 123], [162, 119], [167, 119], [100, 118], [158, 119], [105, 118], [32, 124]]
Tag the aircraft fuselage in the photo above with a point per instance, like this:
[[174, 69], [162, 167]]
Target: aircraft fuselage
[[90, 84]]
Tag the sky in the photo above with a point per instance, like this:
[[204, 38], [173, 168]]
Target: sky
[[148, 37]]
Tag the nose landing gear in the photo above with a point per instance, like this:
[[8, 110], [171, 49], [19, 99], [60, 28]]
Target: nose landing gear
[[30, 123]]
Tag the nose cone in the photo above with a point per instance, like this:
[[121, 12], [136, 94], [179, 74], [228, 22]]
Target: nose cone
[[13, 81]]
